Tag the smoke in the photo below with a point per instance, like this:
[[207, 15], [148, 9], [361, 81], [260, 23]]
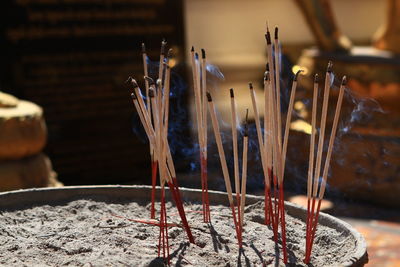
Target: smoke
[[356, 112]]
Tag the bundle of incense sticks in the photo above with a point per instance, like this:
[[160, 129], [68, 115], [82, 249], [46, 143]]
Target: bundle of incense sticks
[[199, 73], [316, 185], [272, 145], [240, 192], [154, 162], [155, 124]]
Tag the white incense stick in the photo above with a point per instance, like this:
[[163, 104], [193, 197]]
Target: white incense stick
[[259, 134], [288, 119], [221, 152], [244, 171], [204, 100], [235, 142], [322, 127], [332, 138], [277, 50], [312, 138]]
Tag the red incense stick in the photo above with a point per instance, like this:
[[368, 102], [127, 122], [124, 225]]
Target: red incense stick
[[173, 186], [283, 224]]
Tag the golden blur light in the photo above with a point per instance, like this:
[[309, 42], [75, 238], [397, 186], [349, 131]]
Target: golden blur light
[[296, 68], [301, 126], [301, 109], [172, 62]]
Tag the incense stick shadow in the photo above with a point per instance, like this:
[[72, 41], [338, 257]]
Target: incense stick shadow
[[218, 240], [292, 258], [277, 255], [258, 253], [179, 252], [246, 259]]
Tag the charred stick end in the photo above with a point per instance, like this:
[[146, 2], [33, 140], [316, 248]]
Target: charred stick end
[[192, 50], [196, 55], [149, 80], [268, 37], [151, 92], [203, 53], [143, 48], [330, 66], [169, 53], [267, 67], [134, 83], [163, 44], [209, 98], [316, 78], [251, 86], [266, 76], [231, 92], [344, 81], [297, 75], [276, 33]]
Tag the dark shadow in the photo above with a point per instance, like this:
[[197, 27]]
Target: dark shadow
[[277, 254], [246, 259], [257, 252], [217, 240], [157, 262], [179, 252]]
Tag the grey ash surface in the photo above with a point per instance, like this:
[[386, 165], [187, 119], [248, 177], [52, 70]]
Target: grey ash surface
[[86, 233]]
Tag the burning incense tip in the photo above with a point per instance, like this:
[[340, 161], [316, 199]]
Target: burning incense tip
[[203, 53], [159, 83], [133, 96], [344, 80], [149, 80], [330, 66], [276, 33], [297, 75], [268, 37], [209, 98], [316, 78], [151, 92], [143, 48], [231, 92], [251, 86], [192, 50]]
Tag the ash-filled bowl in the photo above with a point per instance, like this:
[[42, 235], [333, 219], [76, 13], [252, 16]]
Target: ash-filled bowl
[[25, 202]]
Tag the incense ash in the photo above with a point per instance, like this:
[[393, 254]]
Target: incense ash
[[102, 233]]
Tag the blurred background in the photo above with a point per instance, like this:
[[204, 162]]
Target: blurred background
[[66, 117]]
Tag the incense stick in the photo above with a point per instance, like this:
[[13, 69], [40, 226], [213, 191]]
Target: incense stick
[[314, 223], [235, 147], [204, 128], [311, 157], [278, 92], [244, 171], [288, 119], [222, 158]]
